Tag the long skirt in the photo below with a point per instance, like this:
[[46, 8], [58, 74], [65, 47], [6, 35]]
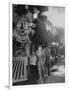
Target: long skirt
[[34, 75]]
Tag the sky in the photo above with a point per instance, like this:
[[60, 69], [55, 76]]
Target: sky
[[56, 15]]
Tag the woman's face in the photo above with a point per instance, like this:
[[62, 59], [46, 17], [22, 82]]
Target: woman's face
[[29, 16]]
